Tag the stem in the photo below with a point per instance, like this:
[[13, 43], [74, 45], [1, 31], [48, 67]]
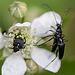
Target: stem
[[20, 20]]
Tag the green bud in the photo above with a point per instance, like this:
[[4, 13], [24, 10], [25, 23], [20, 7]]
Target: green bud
[[32, 67], [18, 9]]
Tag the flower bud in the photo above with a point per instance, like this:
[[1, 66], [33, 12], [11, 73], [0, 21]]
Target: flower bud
[[32, 67], [18, 9]]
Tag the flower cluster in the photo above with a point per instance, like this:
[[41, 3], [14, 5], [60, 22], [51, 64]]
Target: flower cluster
[[22, 31], [28, 58]]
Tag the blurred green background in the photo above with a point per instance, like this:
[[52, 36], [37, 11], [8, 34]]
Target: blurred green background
[[35, 9]]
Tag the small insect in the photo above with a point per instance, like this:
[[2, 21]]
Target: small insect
[[58, 37], [18, 43]]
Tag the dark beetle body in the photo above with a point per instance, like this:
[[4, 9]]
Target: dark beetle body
[[54, 45], [58, 42], [61, 47], [18, 44]]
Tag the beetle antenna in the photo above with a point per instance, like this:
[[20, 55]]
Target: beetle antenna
[[52, 60], [50, 63], [51, 10], [64, 14]]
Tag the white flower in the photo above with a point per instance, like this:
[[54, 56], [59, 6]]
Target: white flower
[[43, 23], [43, 57], [2, 43], [15, 64]]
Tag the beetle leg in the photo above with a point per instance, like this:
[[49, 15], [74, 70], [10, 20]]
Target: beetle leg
[[65, 40], [43, 38], [53, 27], [49, 30], [45, 42], [63, 35], [52, 60]]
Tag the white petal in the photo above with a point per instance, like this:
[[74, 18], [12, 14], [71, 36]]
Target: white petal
[[2, 43], [6, 53], [14, 65], [25, 24], [43, 23], [0, 35], [43, 57]]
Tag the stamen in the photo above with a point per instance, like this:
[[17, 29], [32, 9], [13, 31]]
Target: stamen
[[25, 34]]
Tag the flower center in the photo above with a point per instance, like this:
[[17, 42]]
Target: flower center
[[20, 39]]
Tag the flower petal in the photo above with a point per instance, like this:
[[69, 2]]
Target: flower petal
[[14, 65], [43, 57], [2, 43], [6, 52], [43, 23], [25, 24]]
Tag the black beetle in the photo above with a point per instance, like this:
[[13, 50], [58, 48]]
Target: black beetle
[[18, 43], [58, 43]]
